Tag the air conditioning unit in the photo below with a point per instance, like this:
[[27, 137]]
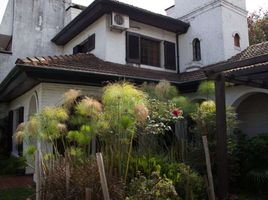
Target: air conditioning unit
[[119, 21]]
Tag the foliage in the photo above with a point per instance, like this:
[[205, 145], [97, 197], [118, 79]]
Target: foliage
[[16, 193], [206, 89], [11, 165], [258, 26], [205, 124], [162, 91], [185, 104], [153, 188], [248, 158], [205, 119], [130, 128], [188, 183], [162, 115]]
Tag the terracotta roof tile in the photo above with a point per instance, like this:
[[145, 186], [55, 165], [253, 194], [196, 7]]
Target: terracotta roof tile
[[89, 63]]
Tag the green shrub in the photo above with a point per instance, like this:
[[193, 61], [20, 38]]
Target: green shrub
[[12, 165], [153, 188]]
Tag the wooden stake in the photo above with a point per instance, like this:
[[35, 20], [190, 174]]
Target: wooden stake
[[37, 175], [88, 194], [102, 176], [68, 175], [209, 172]]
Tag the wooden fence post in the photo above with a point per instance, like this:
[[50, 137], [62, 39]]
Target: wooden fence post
[[209, 172], [68, 176], [37, 175], [102, 176], [88, 194]]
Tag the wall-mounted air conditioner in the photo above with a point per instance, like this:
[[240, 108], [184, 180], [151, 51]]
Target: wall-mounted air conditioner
[[119, 21]]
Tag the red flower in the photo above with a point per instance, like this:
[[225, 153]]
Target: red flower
[[177, 112]]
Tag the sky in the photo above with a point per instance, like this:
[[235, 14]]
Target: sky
[[159, 6], [153, 5]]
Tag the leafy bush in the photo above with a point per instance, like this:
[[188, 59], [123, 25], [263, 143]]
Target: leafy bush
[[153, 188], [248, 158], [186, 181], [12, 165]]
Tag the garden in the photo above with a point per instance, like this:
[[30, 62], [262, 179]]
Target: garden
[[154, 144]]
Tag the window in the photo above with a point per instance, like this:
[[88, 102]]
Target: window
[[5, 43], [86, 46], [150, 52], [196, 50], [18, 118], [237, 40], [170, 55], [142, 50]]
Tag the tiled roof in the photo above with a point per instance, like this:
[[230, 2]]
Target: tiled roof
[[88, 63], [257, 53], [251, 52]]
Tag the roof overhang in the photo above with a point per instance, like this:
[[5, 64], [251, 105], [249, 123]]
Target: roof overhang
[[100, 7], [24, 77], [252, 72]]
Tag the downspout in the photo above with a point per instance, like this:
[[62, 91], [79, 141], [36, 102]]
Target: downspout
[[178, 53]]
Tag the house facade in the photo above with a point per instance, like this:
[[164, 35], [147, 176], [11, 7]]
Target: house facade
[[56, 46]]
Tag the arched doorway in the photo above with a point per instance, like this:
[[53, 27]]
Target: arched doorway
[[252, 110]]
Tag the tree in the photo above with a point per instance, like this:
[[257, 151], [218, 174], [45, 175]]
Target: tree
[[258, 26]]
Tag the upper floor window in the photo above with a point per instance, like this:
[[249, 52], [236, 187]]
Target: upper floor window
[[196, 50], [237, 40], [5, 43], [143, 50], [150, 52], [86, 46], [147, 51]]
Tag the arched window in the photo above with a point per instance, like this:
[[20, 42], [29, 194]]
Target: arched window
[[196, 50], [33, 106], [237, 40]]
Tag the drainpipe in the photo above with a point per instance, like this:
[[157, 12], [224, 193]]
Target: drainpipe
[[178, 53]]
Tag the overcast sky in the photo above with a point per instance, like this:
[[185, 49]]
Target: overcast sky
[[153, 5], [160, 5]]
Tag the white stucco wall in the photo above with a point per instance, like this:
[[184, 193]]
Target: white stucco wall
[[50, 94], [234, 21], [111, 44], [183, 7], [253, 114], [99, 27], [215, 25], [35, 23], [207, 27]]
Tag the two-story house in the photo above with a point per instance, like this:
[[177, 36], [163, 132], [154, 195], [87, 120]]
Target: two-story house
[[49, 47]]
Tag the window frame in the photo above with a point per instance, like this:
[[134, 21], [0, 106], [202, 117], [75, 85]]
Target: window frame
[[77, 48], [167, 65], [8, 49], [237, 40], [139, 60], [196, 48]]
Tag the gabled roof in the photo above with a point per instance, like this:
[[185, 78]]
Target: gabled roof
[[100, 7]]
